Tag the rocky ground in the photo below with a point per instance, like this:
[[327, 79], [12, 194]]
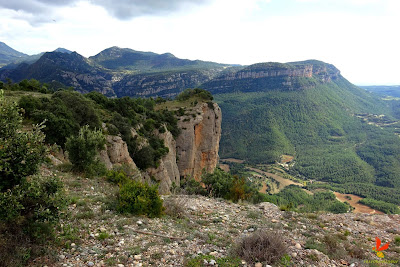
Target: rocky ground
[[204, 230]]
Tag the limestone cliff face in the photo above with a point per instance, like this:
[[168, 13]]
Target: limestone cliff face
[[198, 144], [195, 149], [167, 172], [161, 84], [116, 153], [256, 72]]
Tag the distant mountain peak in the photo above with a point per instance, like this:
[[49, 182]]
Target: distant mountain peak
[[8, 54], [62, 50]]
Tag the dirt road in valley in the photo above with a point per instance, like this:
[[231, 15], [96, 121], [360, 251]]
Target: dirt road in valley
[[358, 207], [283, 182]]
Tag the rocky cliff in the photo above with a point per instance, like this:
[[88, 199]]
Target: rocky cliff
[[198, 143], [195, 149], [166, 84], [116, 154], [274, 76], [167, 172]]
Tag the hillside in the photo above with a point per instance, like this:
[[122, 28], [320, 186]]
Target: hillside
[[8, 55], [383, 90], [201, 228], [335, 131], [308, 110], [105, 218], [119, 59]]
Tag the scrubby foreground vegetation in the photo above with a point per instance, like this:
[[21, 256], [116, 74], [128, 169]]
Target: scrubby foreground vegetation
[[79, 214]]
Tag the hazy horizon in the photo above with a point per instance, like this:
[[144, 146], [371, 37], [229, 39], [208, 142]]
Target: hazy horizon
[[357, 36]]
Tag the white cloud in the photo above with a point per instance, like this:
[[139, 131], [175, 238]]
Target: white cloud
[[364, 47]]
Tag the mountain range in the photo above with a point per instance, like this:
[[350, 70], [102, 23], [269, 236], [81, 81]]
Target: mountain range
[[114, 72], [336, 132]]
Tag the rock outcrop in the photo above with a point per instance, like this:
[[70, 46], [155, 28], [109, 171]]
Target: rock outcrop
[[116, 153], [195, 149], [256, 72], [162, 84], [167, 172], [198, 144]]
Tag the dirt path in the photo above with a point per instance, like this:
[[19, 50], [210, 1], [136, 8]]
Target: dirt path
[[283, 182], [358, 207]]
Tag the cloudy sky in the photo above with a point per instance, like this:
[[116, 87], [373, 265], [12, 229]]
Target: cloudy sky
[[360, 37]]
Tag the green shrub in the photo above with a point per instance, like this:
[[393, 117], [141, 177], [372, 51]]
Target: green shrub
[[116, 177], [232, 187], [197, 92], [21, 152], [192, 187], [397, 240], [83, 148], [139, 199], [29, 205]]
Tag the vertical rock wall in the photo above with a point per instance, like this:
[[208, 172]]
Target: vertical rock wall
[[195, 149], [198, 144], [167, 172]]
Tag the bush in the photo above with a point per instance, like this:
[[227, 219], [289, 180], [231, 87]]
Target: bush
[[197, 92], [21, 152], [192, 187], [175, 207], [397, 240], [139, 199], [235, 188], [117, 177], [29, 205], [261, 246], [83, 149]]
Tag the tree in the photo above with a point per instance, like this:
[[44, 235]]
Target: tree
[[21, 152], [29, 204], [84, 147]]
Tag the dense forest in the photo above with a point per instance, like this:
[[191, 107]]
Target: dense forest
[[320, 126]]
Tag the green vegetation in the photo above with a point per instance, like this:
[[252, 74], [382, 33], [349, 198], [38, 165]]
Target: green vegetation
[[295, 198], [116, 177], [200, 93], [65, 112], [318, 127], [21, 152], [221, 184], [30, 205], [390, 195], [83, 148], [139, 199], [385, 207]]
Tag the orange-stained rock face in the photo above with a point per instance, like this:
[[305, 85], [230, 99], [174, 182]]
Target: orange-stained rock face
[[198, 144]]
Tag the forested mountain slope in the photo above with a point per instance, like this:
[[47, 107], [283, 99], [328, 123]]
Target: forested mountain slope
[[308, 110]]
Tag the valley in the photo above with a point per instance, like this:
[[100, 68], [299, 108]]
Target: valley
[[353, 201]]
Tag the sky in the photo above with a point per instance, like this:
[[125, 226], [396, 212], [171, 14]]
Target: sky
[[359, 37]]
